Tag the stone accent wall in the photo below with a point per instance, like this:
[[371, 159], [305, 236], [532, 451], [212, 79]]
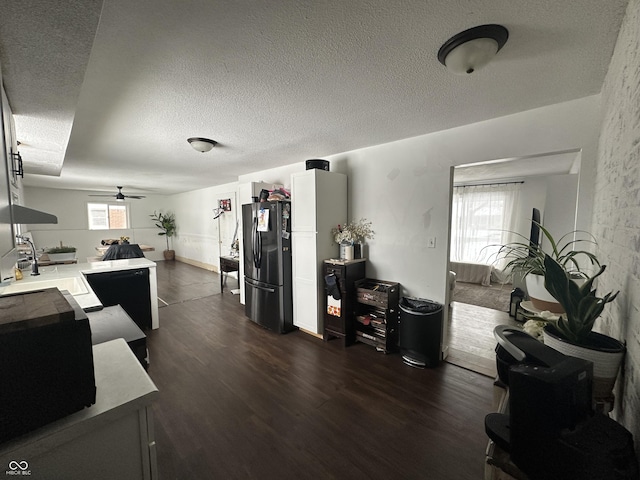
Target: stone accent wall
[[616, 215]]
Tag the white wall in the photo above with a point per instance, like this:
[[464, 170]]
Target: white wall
[[200, 240], [560, 206], [403, 187], [70, 206], [556, 198], [616, 219]]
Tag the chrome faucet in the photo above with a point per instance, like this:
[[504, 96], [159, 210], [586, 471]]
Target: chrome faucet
[[34, 265]]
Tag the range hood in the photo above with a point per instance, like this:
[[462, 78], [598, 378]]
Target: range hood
[[20, 214]]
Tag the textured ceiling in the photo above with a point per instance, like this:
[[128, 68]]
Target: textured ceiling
[[99, 104]]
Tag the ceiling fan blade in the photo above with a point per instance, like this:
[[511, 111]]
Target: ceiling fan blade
[[118, 196]]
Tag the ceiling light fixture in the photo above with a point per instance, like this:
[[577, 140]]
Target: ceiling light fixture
[[472, 49], [202, 145]]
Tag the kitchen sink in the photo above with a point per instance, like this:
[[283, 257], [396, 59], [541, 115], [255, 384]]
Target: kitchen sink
[[74, 285]]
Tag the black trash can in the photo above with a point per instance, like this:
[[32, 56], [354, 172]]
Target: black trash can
[[420, 332]]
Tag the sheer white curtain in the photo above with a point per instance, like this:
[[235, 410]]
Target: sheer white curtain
[[482, 218]]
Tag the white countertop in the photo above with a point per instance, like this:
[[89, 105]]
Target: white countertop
[[122, 387], [89, 300]]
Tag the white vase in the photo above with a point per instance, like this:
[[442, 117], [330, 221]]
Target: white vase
[[605, 352], [346, 251]]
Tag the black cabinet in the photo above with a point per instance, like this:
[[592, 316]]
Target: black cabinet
[[341, 275], [128, 288], [377, 314]]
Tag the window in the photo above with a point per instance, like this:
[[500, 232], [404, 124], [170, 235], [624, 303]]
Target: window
[[108, 216], [482, 220]]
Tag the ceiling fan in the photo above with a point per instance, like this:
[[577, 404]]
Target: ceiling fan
[[119, 196]]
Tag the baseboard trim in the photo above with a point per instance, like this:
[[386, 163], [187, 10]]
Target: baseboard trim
[[317, 335], [195, 263]]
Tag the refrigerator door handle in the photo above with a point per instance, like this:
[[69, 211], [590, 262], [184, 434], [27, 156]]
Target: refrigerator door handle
[[254, 242], [259, 287], [259, 249]]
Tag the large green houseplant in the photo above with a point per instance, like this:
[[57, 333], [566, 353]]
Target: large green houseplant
[[572, 332], [528, 260], [581, 305], [167, 223]]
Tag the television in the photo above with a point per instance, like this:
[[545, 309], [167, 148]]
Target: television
[[534, 236]]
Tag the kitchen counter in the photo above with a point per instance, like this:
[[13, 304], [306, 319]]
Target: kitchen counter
[[87, 299], [113, 438]]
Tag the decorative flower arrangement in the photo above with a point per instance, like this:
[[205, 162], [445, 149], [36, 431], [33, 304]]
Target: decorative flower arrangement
[[354, 232]]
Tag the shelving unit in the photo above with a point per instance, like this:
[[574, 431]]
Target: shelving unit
[[338, 314], [377, 314]]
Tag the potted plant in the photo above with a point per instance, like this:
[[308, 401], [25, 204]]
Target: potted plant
[[167, 223], [529, 261], [572, 332], [353, 234], [62, 253]]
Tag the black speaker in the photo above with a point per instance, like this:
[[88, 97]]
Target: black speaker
[[317, 163]]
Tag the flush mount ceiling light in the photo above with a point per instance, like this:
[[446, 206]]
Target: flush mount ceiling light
[[472, 49], [202, 145]]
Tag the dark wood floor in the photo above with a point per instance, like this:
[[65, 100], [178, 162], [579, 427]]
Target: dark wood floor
[[238, 401]]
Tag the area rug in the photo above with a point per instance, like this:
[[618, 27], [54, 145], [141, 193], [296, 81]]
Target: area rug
[[496, 296]]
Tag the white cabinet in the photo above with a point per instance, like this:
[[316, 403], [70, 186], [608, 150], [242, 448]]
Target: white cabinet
[[318, 204]]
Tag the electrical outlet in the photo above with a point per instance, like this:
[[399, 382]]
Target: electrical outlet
[[431, 242]]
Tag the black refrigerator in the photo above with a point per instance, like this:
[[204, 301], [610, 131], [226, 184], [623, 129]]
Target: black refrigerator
[[267, 264]]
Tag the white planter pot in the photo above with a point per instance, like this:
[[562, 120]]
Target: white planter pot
[[605, 352], [61, 257], [539, 295]]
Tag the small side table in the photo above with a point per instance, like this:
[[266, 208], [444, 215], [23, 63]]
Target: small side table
[[227, 264]]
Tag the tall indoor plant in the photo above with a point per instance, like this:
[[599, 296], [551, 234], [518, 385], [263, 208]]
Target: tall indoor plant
[[572, 332], [167, 223], [528, 259]]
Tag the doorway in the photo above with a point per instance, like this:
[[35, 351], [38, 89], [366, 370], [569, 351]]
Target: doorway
[[548, 182]]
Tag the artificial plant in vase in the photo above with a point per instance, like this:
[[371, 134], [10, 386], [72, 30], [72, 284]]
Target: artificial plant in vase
[[354, 234], [167, 223]]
